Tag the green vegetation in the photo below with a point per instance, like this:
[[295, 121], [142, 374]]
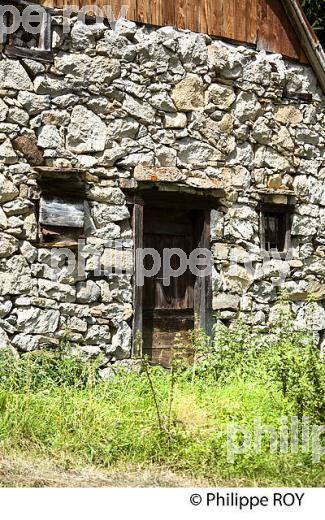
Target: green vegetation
[[315, 12], [55, 407]]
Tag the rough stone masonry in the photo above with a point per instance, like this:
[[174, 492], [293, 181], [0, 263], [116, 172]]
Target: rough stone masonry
[[193, 113]]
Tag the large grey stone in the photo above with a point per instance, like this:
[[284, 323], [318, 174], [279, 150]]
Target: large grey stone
[[14, 76], [82, 70], [139, 109], [237, 279], [7, 153], [266, 156], [49, 137], [247, 107], [107, 195], [197, 153], [304, 225], [117, 260], [175, 120], [98, 335], [32, 320], [104, 214], [17, 276], [33, 103], [5, 307], [82, 36], [4, 340], [224, 301], [86, 131], [87, 292], [121, 341], [57, 291], [3, 110], [29, 342], [8, 191], [8, 245]]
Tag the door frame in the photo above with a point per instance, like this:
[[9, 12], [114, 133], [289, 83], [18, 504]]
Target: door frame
[[203, 285]]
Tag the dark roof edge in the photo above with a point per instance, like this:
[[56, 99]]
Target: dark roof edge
[[309, 41]]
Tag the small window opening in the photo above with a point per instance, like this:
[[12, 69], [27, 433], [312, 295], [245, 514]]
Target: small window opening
[[34, 42], [275, 232], [61, 221], [276, 228]]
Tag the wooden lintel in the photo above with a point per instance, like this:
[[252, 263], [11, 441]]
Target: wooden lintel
[[174, 194], [56, 169], [33, 54], [72, 244]]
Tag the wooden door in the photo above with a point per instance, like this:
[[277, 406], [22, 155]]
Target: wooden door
[[168, 310]]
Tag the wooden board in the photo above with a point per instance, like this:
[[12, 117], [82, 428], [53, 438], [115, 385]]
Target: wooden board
[[137, 226], [275, 32], [164, 336], [55, 211]]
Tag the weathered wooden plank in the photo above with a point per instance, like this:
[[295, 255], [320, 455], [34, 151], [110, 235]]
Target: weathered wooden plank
[[143, 14], [263, 26], [251, 21], [204, 17], [137, 225], [20, 52], [229, 19], [203, 285], [194, 15], [45, 37], [55, 211], [240, 16], [168, 13], [181, 10], [160, 338], [116, 7], [155, 12], [215, 17], [275, 32]]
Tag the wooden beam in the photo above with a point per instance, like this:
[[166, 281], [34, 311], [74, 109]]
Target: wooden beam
[[203, 285], [137, 225], [33, 54], [45, 38]]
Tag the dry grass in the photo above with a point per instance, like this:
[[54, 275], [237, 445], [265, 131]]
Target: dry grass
[[21, 472], [189, 413]]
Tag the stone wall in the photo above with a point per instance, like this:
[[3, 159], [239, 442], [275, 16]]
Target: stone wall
[[174, 109]]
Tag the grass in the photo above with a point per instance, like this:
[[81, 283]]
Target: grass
[[25, 471], [115, 424], [55, 411]]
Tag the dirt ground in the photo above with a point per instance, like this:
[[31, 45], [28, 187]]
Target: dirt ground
[[23, 473]]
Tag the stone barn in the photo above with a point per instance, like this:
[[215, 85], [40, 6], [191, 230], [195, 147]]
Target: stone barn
[[135, 130]]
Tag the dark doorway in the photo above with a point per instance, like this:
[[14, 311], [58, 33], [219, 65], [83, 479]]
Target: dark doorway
[[165, 220], [168, 303]]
